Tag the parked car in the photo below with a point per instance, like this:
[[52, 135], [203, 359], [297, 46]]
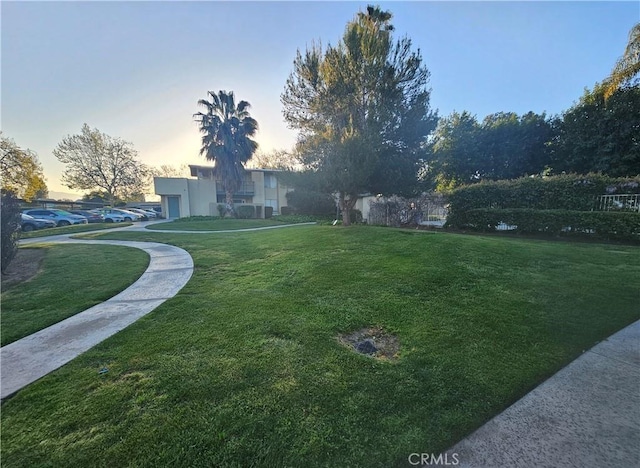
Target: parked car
[[145, 214], [61, 217], [29, 223], [128, 215], [108, 216], [90, 215], [148, 212]]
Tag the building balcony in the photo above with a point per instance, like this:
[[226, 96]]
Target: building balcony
[[247, 189]]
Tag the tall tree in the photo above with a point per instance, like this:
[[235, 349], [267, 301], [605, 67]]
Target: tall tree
[[21, 171], [627, 68], [502, 146], [227, 130], [601, 135], [362, 110], [513, 146], [96, 160], [454, 151]]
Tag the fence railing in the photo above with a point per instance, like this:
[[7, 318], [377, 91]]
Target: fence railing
[[428, 210], [247, 188], [629, 202]]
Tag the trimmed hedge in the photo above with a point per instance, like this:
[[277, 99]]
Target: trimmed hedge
[[601, 224], [246, 211], [565, 192]]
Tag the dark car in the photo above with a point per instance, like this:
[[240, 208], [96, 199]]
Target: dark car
[[29, 223], [91, 216]]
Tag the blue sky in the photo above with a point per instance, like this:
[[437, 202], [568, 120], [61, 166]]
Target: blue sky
[[136, 70]]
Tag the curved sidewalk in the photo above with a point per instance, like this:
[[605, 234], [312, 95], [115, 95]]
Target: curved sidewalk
[[586, 415], [30, 358]]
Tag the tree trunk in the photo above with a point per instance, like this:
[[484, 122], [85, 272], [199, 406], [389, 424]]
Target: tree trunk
[[229, 202], [346, 205]]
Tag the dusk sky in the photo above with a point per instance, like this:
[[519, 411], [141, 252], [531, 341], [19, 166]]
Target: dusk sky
[[136, 70]]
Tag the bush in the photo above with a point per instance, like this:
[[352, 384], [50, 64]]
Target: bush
[[246, 211], [268, 212], [308, 202], [10, 224], [222, 210], [566, 192], [600, 224], [286, 210]]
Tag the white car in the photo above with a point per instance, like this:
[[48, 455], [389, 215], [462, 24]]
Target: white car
[[128, 215], [110, 217], [142, 212]]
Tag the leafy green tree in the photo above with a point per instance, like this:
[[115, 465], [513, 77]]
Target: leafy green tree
[[627, 69], [227, 130], [21, 171], [503, 146], [362, 110], [601, 135], [455, 155], [97, 161], [513, 146]]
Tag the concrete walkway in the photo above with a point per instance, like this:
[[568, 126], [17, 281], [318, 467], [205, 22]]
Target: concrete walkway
[[586, 415], [28, 359], [170, 268]]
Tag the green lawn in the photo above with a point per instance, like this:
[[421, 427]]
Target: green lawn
[[73, 278], [72, 229], [243, 367], [195, 224]]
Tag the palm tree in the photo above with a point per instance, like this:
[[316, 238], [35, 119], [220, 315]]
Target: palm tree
[[226, 139], [628, 66]]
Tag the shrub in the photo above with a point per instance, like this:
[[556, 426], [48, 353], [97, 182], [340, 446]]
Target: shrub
[[286, 210], [268, 211], [308, 202], [600, 224], [246, 211], [222, 210], [566, 192], [10, 224]]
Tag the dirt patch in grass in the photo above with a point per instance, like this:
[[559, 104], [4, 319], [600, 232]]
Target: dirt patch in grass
[[25, 266], [374, 342]]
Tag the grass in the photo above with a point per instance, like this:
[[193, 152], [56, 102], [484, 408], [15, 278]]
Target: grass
[[243, 366], [208, 223], [59, 291], [72, 229]]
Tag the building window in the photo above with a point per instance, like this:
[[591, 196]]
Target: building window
[[270, 181], [272, 203]]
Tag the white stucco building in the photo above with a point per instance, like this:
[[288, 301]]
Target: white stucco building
[[201, 194]]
